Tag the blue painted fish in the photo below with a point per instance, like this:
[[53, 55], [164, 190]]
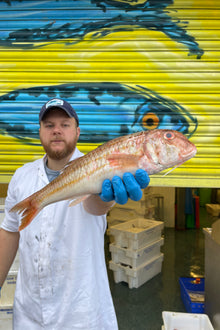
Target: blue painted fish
[[113, 109], [97, 18]]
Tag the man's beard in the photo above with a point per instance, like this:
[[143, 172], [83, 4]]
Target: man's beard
[[60, 154]]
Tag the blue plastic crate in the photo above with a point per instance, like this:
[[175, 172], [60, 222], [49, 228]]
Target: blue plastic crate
[[193, 294]]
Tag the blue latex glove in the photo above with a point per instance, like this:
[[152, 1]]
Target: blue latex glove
[[130, 187]]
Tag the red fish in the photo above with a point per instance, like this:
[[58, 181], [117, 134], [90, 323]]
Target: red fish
[[152, 151]]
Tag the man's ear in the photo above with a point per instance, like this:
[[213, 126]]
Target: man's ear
[[78, 131]]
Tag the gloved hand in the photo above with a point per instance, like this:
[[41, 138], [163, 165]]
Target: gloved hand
[[130, 187]]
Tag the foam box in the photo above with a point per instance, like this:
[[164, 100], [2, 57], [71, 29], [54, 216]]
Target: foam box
[[186, 321], [135, 258], [135, 277], [6, 313], [137, 233], [8, 289]]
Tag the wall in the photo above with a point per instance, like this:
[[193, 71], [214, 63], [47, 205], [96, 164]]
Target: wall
[[3, 190], [168, 194], [124, 65]]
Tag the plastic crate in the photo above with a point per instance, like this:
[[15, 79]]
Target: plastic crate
[[137, 233], [8, 289], [124, 214], [193, 294], [186, 321], [135, 258], [113, 222], [6, 314], [135, 277]]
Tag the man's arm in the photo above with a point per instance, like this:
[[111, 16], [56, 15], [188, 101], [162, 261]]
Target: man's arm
[[8, 248], [94, 205]]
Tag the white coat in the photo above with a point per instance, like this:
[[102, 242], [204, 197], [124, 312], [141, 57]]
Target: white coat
[[62, 281]]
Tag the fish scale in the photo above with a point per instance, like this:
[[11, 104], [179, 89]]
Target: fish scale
[[152, 151]]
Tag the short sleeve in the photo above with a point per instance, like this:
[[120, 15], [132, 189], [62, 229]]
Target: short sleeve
[[11, 219]]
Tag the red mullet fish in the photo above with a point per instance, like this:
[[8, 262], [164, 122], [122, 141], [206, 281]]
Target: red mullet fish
[[152, 151]]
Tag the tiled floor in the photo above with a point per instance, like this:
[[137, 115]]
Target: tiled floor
[[141, 309]]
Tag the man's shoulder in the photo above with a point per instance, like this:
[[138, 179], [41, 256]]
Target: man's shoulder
[[33, 164], [77, 153], [28, 168], [25, 175]]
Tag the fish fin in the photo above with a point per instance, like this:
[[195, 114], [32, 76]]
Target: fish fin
[[120, 160], [172, 169], [29, 209], [78, 200]]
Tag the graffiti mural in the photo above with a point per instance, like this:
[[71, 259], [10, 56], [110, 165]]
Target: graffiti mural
[[125, 66], [102, 18], [126, 110]]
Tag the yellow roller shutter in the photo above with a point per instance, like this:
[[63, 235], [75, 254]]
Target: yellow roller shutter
[[124, 65]]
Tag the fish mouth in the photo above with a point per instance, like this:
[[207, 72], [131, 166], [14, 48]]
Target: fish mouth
[[191, 153]]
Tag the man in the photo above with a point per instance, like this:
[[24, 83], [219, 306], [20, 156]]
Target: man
[[62, 281]]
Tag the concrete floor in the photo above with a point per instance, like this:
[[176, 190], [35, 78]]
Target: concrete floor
[[141, 309]]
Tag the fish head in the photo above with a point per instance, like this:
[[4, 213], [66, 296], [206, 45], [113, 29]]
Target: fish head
[[167, 148]]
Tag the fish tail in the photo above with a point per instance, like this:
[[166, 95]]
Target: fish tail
[[29, 208]]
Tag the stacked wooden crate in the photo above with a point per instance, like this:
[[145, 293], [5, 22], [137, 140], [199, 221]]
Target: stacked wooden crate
[[135, 252]]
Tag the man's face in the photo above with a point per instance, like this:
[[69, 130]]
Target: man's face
[[58, 134]]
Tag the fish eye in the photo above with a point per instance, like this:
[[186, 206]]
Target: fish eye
[[150, 121], [169, 136]]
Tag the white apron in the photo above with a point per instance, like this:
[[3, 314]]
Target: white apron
[[62, 280]]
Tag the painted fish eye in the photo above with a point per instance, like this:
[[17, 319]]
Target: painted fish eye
[[150, 121], [169, 136]]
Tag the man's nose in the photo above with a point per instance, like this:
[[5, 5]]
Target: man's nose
[[57, 129]]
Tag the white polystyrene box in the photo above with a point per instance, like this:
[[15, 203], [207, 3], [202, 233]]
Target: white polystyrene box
[[134, 234], [8, 289], [135, 258], [6, 313], [186, 321], [135, 277]]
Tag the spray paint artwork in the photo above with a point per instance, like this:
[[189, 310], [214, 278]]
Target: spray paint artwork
[[125, 66], [105, 110]]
